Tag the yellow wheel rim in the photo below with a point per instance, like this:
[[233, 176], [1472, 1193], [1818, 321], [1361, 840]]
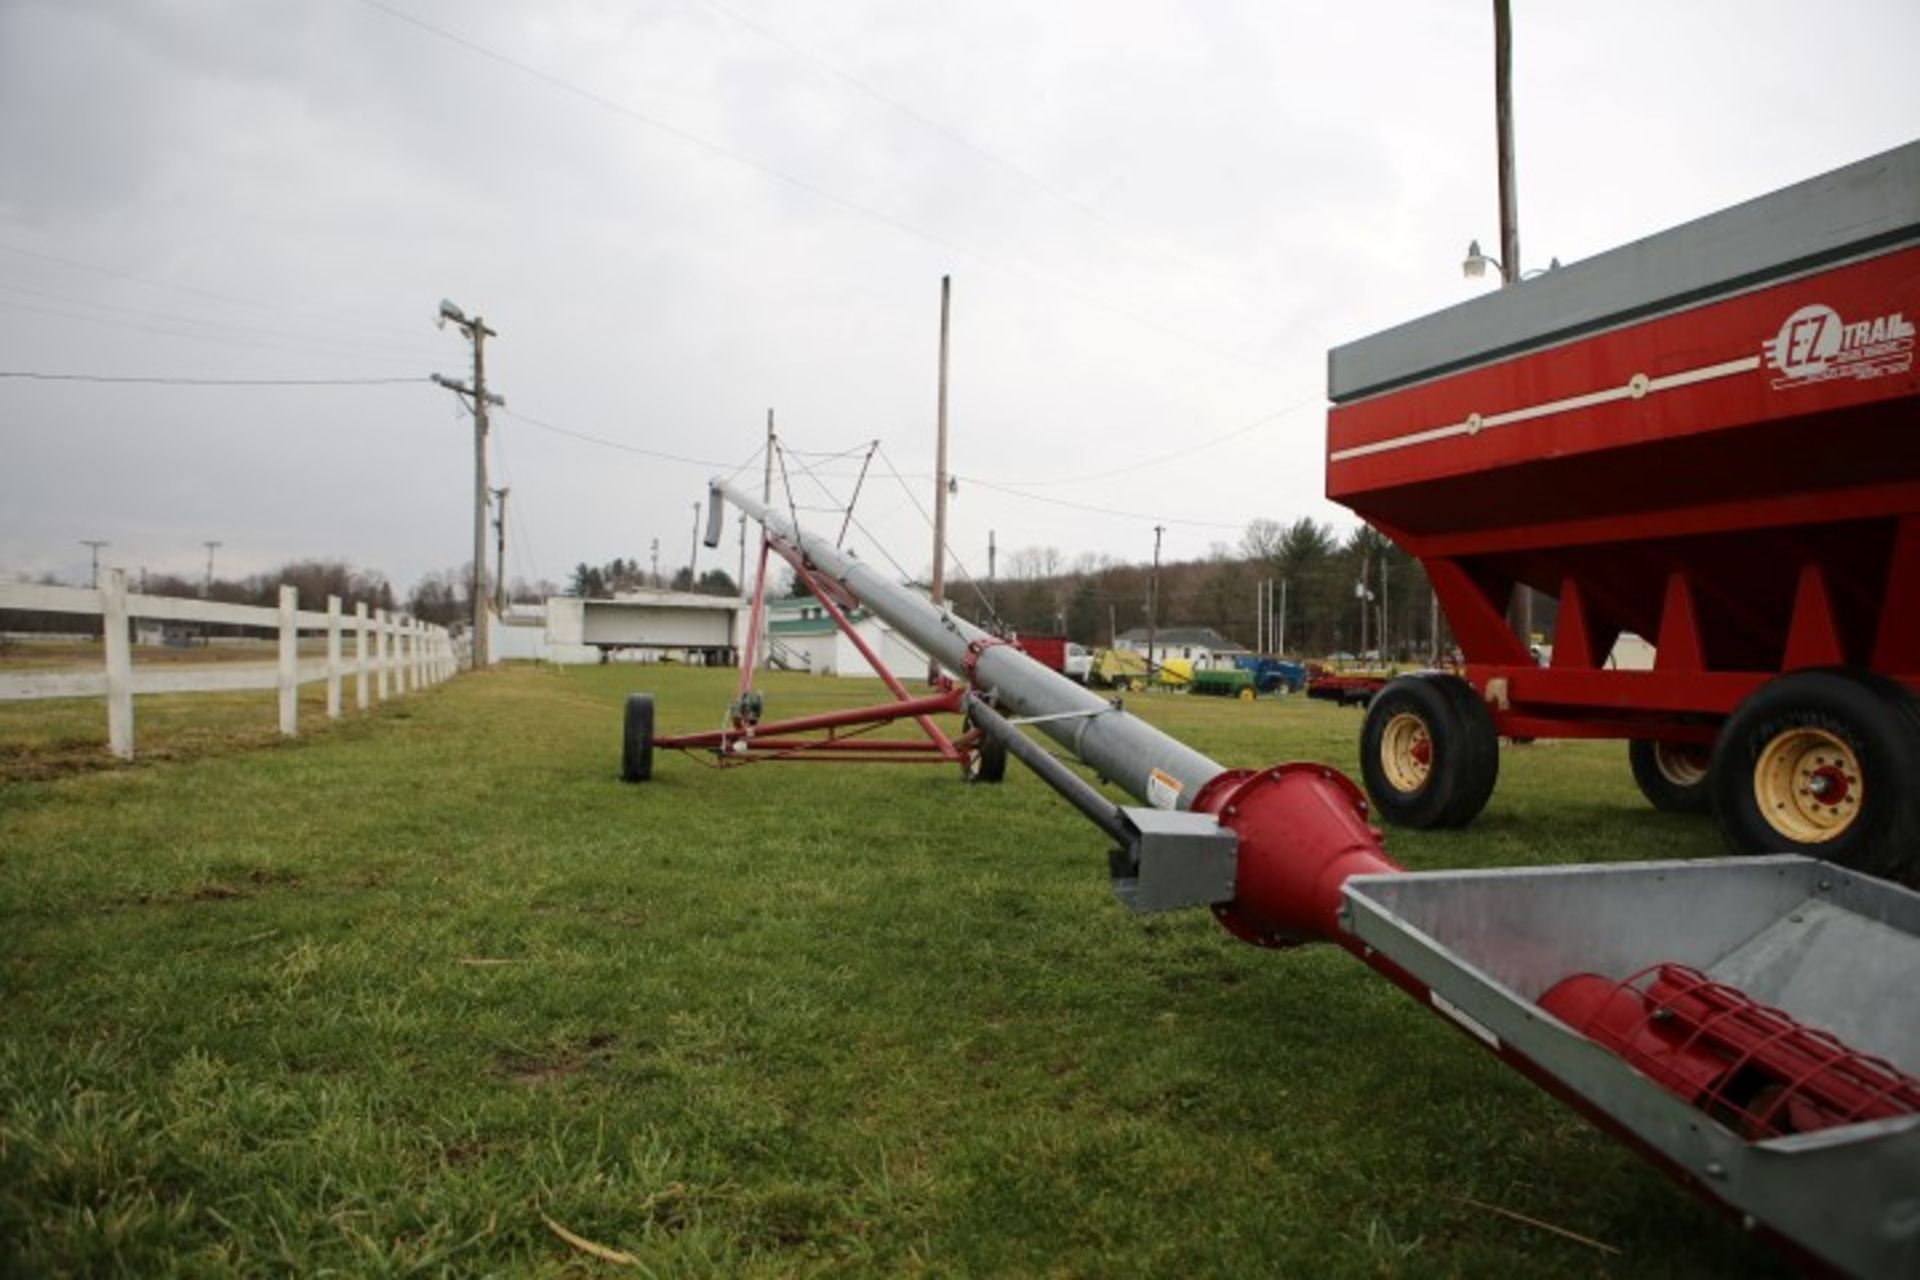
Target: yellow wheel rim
[[1406, 752], [1682, 766], [1246, 695], [1807, 783]]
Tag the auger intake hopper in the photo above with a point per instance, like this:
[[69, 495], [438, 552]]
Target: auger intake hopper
[[1752, 1023]]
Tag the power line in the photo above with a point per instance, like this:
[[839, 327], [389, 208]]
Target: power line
[[1158, 459], [37, 376], [357, 324], [622, 446], [1142, 516], [259, 344], [866, 211], [1000, 162], [346, 346]]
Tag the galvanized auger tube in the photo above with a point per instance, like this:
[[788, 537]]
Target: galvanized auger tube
[[1267, 850]]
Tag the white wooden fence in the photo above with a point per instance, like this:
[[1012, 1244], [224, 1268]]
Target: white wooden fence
[[392, 655]]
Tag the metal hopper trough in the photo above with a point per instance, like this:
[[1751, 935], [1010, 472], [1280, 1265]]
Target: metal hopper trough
[[1598, 982]]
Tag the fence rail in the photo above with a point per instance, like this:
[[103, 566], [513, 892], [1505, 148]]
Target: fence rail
[[392, 654]]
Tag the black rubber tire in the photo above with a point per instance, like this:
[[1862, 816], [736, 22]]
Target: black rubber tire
[[636, 748], [1464, 761], [1877, 719], [989, 762], [1655, 776]]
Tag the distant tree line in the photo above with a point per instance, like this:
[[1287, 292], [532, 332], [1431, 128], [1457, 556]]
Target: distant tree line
[[444, 596], [601, 582], [1340, 592]]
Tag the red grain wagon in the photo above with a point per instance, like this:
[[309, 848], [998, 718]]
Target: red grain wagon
[[1709, 438]]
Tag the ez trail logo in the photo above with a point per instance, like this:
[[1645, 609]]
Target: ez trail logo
[[1815, 345]]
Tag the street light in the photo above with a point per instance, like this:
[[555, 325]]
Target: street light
[[1477, 262]]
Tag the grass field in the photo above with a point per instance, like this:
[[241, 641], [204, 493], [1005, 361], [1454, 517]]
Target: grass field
[[389, 999]]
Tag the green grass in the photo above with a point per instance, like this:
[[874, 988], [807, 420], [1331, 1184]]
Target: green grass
[[379, 1000]]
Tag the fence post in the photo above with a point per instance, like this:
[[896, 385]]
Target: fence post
[[403, 655], [119, 657], [289, 662], [361, 694], [380, 653], [333, 657]]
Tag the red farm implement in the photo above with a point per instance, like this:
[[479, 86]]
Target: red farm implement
[[1710, 439], [745, 738]]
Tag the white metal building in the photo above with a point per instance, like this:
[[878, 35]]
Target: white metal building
[[647, 626]]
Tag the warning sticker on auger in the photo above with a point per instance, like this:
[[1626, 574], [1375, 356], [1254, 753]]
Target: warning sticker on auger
[[1163, 790]]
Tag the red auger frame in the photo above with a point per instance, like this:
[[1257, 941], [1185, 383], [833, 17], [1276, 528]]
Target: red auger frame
[[835, 735]]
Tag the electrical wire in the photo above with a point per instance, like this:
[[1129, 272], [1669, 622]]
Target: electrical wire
[[259, 344], [814, 189], [347, 346], [1131, 239], [1155, 460], [1143, 516], [357, 324], [32, 375], [605, 443], [966, 574]]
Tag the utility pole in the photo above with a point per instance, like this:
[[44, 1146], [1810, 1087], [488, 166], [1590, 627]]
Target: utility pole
[[993, 555], [939, 584], [1282, 650], [500, 545], [693, 552], [656, 562], [1383, 603], [1153, 598], [95, 544], [1503, 124], [212, 545], [1509, 223], [1433, 626], [479, 399]]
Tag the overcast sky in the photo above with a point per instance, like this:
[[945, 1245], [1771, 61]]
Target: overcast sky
[[1158, 214]]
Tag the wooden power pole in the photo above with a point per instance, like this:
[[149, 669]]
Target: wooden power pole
[[1509, 224], [938, 586], [500, 552], [1153, 598], [480, 400]]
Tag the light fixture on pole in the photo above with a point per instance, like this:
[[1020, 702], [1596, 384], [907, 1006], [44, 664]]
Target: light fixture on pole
[[1476, 264]]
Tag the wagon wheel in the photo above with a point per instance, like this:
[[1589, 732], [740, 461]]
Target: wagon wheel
[[987, 762], [1823, 763], [1246, 695], [1428, 752], [636, 748], [1672, 776]]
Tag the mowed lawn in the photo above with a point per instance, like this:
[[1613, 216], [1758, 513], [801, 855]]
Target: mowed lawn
[[394, 998]]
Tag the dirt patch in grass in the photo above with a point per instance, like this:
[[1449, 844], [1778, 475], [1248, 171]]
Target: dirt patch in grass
[[535, 1070]]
